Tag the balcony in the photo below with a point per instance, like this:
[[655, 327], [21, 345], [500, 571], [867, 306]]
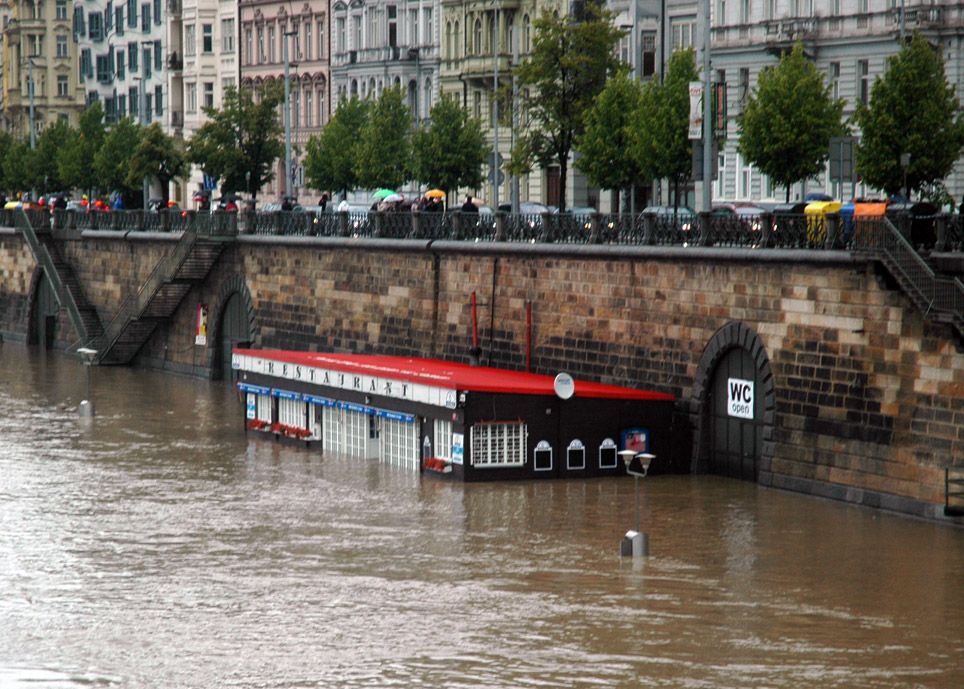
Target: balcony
[[483, 66], [177, 119], [174, 62], [174, 8], [782, 34]]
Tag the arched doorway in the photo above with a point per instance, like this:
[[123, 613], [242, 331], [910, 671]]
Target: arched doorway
[[736, 417], [43, 314], [735, 403], [233, 330]]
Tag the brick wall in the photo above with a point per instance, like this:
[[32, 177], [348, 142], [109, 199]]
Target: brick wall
[[869, 397]]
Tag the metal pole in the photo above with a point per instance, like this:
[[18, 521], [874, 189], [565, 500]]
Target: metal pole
[[633, 60], [30, 89], [636, 483], [514, 183], [707, 113], [495, 115], [287, 118], [87, 394]]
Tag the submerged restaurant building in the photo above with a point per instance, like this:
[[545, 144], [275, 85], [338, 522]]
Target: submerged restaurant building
[[471, 422]]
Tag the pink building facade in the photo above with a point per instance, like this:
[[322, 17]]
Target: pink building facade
[[265, 25]]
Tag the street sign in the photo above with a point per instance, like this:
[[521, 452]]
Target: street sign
[[739, 398], [698, 161], [496, 180]]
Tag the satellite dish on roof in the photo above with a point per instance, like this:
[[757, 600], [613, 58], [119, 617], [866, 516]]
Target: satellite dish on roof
[[564, 386]]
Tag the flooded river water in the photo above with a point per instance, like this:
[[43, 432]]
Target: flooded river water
[[157, 547]]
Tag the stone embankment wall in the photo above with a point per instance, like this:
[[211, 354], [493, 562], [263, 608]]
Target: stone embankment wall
[[868, 397]]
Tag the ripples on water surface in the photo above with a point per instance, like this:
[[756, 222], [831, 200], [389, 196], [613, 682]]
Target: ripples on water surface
[[155, 547]]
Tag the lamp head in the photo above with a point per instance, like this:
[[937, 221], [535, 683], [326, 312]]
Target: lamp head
[[645, 459], [627, 456]]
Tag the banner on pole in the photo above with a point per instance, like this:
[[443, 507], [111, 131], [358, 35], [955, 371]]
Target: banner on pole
[[696, 110]]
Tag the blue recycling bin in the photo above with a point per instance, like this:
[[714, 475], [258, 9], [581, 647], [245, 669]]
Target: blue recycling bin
[[846, 214]]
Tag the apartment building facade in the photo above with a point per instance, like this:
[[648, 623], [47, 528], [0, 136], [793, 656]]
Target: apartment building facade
[[274, 34], [37, 62]]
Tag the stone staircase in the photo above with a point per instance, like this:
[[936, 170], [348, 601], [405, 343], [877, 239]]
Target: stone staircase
[[159, 297], [939, 297], [35, 227]]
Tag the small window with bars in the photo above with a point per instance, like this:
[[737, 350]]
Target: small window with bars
[[499, 444]]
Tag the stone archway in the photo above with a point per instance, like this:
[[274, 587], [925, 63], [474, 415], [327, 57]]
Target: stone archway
[[724, 444], [234, 322], [42, 311]]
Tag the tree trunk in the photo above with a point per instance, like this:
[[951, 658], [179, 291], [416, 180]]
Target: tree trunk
[[788, 193], [563, 179]]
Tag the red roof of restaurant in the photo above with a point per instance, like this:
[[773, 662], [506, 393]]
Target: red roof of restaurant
[[449, 375]]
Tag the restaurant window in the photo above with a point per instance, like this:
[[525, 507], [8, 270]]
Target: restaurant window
[[542, 456], [576, 455], [443, 439], [498, 444], [608, 459]]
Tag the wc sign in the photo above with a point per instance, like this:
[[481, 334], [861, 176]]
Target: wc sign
[[739, 398]]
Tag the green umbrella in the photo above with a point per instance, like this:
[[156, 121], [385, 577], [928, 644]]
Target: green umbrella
[[382, 193]]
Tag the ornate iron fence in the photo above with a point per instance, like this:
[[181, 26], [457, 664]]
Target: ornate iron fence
[[778, 230]]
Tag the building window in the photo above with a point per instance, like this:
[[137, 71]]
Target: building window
[[392, 12], [145, 18], [771, 6], [61, 9], [477, 37], [191, 90], [132, 14], [158, 101], [576, 455], [683, 34], [720, 12], [208, 94], [261, 55], [356, 42], [308, 44], [340, 34], [308, 108], [121, 55], [119, 30], [834, 78], [227, 83], [95, 24], [190, 40], [744, 88], [158, 57], [296, 109], [744, 11], [499, 444], [443, 439], [207, 38], [321, 39], [132, 57], [132, 96], [272, 41], [61, 46], [62, 86], [608, 457], [427, 33], [648, 47], [157, 12], [863, 81], [227, 35], [248, 47], [147, 63]]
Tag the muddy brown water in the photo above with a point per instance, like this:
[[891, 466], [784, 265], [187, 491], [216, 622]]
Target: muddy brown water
[[156, 546]]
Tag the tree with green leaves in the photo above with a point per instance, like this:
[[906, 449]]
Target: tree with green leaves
[[112, 161], [789, 119], [330, 157], [43, 173], [157, 155], [74, 159], [661, 141], [571, 59], [16, 163], [385, 149], [605, 147], [240, 143], [6, 144], [911, 112], [449, 153]]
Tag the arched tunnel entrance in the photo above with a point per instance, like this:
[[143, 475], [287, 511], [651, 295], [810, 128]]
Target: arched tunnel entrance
[[233, 327], [44, 311], [735, 397]]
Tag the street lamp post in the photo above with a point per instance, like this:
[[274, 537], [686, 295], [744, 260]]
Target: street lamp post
[[707, 113], [636, 543], [30, 90], [289, 171], [496, 167]]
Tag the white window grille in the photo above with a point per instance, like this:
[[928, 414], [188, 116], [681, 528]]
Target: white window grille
[[333, 423], [356, 433], [443, 439], [499, 444], [291, 412], [264, 408], [399, 442]]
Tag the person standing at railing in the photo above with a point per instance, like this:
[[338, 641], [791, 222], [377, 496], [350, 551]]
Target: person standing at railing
[[468, 206]]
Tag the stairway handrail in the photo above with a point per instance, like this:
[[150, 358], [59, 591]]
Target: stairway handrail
[[136, 303], [64, 298], [944, 298]]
